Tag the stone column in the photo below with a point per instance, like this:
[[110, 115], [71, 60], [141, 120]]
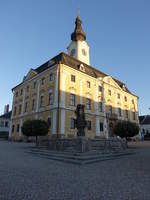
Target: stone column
[[62, 102], [104, 111], [81, 97], [38, 96], [97, 123]]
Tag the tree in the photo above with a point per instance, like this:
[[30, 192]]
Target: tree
[[126, 129], [35, 128]]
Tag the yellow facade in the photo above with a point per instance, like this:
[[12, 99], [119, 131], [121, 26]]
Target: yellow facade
[[102, 89], [52, 91]]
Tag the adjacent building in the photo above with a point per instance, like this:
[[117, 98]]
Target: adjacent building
[[144, 121], [52, 91], [5, 122]]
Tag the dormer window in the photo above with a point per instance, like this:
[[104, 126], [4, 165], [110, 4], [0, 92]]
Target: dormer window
[[82, 68]]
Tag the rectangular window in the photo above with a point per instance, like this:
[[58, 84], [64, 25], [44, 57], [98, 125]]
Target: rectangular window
[[43, 81], [51, 77], [27, 88], [34, 85], [15, 110], [133, 113], [100, 88], [126, 114], [73, 78], [132, 101], [16, 94], [50, 98], [101, 127], [109, 92], [13, 128], [49, 122], [6, 124], [118, 96], [88, 104], [20, 109], [110, 109], [33, 104], [89, 125], [21, 92], [18, 127], [88, 84], [72, 99], [125, 98], [119, 112], [41, 101], [26, 107], [100, 107], [72, 123]]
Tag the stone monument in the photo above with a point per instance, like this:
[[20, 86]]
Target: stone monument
[[80, 123]]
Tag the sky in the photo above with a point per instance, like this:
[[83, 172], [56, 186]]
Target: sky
[[118, 33]]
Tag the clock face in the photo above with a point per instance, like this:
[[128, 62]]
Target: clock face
[[84, 52], [72, 53]]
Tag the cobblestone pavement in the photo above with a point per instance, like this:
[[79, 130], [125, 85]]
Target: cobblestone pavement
[[24, 176]]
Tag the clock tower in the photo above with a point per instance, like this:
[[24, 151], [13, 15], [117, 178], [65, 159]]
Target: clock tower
[[78, 48]]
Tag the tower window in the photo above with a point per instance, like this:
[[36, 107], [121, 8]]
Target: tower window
[[84, 52], [73, 78], [72, 53]]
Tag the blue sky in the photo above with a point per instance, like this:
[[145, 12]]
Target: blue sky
[[118, 33]]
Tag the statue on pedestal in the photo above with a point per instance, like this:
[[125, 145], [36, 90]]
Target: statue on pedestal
[[80, 120]]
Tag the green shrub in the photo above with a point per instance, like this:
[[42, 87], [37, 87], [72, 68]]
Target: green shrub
[[35, 128], [126, 129]]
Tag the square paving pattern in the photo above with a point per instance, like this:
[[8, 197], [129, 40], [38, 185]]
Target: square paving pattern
[[24, 176]]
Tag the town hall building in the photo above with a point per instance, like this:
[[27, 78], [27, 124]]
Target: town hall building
[[53, 90]]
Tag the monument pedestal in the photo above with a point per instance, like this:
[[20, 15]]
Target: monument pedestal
[[83, 144]]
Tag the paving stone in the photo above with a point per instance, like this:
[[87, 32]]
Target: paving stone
[[27, 177]]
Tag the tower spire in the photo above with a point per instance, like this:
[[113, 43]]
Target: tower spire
[[78, 33]]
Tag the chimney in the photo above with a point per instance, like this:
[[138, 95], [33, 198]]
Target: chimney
[[6, 109]]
